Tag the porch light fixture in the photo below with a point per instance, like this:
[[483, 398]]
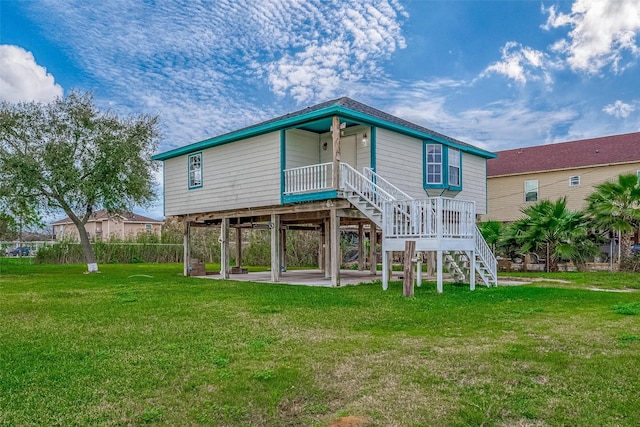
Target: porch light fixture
[[365, 141], [324, 146]]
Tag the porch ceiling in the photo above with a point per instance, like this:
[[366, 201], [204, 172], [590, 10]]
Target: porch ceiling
[[324, 125]]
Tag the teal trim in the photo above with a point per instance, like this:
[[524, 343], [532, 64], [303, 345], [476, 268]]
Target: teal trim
[[195, 187], [374, 121], [332, 110], [444, 169], [373, 147], [283, 162], [308, 197]]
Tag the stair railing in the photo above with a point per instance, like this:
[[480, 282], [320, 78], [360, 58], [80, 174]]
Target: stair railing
[[394, 191], [485, 254], [352, 180]]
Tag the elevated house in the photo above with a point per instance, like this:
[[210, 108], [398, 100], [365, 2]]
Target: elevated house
[[339, 163], [101, 225]]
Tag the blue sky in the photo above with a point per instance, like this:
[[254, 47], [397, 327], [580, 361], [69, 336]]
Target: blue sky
[[497, 74]]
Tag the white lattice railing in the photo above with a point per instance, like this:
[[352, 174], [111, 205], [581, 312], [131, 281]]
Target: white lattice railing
[[308, 178], [435, 217]]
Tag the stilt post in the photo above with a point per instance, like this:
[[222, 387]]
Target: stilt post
[[407, 281], [275, 247]]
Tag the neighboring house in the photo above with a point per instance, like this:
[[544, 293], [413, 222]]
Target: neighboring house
[[339, 163], [101, 225], [520, 177]]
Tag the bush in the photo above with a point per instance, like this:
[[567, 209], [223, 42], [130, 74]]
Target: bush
[[112, 251], [631, 264]]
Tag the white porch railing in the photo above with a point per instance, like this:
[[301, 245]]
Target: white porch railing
[[307, 179], [432, 218]]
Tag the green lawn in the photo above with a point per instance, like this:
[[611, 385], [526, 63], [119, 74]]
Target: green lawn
[[140, 345]]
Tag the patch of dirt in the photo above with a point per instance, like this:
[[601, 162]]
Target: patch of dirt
[[612, 290], [349, 421]]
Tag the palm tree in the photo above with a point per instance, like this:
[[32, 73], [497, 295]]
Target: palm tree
[[551, 227], [615, 205], [492, 233]]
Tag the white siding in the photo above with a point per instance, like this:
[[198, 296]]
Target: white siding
[[399, 160], [474, 181], [303, 148], [241, 174]]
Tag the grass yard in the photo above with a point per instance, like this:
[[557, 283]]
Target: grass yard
[[140, 345]]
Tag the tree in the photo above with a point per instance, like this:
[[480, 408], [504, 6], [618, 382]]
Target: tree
[[615, 205], [551, 227], [67, 155]]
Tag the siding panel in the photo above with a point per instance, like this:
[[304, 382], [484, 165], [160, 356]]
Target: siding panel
[[242, 174]]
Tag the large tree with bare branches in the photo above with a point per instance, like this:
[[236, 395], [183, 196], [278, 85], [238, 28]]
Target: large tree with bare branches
[[67, 155]]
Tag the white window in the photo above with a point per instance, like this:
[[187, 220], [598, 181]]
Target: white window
[[531, 190], [434, 164], [574, 181], [638, 174], [147, 227], [195, 170], [454, 167]]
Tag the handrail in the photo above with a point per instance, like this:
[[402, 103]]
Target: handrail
[[385, 185], [484, 252], [353, 180]]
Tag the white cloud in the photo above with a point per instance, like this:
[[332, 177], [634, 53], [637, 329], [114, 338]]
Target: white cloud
[[619, 109], [22, 79], [202, 66], [603, 31], [497, 125], [521, 64]]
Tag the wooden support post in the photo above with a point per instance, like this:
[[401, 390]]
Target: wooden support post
[[472, 269], [361, 247], [335, 247], [419, 270], [224, 249], [186, 244], [283, 249], [389, 265], [327, 249], [373, 242], [431, 262], [335, 134], [407, 282], [321, 247], [275, 247], [439, 270], [239, 247]]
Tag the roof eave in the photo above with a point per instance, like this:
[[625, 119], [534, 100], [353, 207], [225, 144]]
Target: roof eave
[[331, 110]]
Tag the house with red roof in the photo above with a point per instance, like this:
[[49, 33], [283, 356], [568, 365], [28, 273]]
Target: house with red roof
[[101, 225], [522, 176]]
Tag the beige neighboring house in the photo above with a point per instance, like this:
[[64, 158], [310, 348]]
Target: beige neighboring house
[[103, 225], [520, 177]]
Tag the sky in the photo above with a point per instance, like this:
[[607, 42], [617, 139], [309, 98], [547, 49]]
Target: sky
[[495, 74]]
